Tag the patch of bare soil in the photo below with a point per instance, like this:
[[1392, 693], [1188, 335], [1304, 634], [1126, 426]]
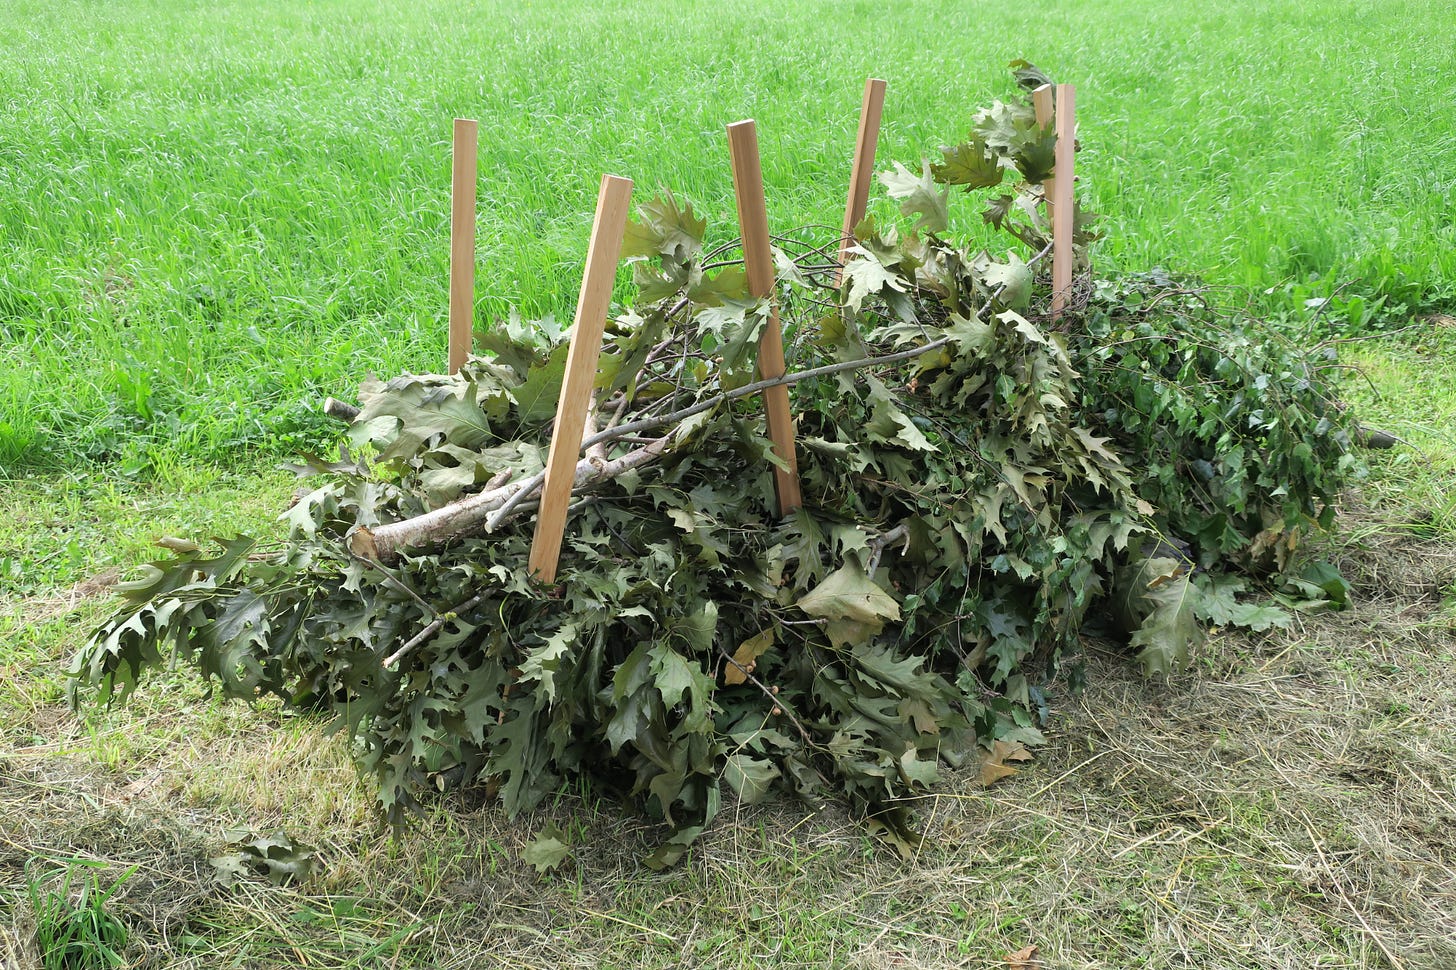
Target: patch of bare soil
[[1286, 804]]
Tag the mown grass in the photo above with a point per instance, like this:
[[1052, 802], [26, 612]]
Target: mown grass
[[213, 215]]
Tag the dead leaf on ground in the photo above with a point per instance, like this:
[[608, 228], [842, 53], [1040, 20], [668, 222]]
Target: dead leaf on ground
[[1024, 959], [993, 762]]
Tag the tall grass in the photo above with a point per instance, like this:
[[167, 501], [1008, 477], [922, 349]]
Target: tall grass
[[213, 214]]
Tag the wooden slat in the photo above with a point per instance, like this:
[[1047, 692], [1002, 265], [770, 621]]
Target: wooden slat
[[758, 263], [462, 244], [862, 175], [1063, 208], [602, 255], [1043, 100]]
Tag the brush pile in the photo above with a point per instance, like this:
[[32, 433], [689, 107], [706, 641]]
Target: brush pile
[[978, 480]]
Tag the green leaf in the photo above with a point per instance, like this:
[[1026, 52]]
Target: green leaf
[[737, 325], [920, 196], [517, 343], [752, 778], [397, 418], [1259, 618], [891, 425], [856, 606], [1326, 577], [548, 850], [868, 277], [1028, 76], [278, 858], [663, 228], [1034, 150], [1156, 601], [969, 164], [998, 209], [539, 394], [1015, 276], [1001, 126]]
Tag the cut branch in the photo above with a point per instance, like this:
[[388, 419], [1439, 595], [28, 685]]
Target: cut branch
[[340, 410], [468, 515]]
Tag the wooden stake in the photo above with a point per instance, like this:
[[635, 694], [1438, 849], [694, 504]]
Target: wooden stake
[[758, 263], [462, 244], [862, 175], [581, 367], [1042, 99], [1063, 207]]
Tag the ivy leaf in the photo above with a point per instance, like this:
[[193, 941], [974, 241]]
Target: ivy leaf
[[548, 850], [969, 164], [920, 196]]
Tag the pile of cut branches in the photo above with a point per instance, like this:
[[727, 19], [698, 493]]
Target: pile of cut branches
[[976, 479]]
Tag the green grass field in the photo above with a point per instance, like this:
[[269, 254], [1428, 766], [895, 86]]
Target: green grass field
[[213, 215]]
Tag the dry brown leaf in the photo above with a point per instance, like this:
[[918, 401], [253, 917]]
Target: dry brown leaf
[[1024, 959], [744, 657], [993, 762]]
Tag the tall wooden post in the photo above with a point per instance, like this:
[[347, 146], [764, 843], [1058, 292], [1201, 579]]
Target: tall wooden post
[[602, 255], [1044, 103], [1061, 210], [758, 263], [462, 244], [1064, 209], [862, 175]]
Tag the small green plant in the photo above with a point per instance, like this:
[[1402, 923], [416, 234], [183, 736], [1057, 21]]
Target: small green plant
[[76, 933]]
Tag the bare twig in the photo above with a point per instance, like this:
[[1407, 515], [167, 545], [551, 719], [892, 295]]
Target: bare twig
[[881, 542], [433, 628], [768, 692]]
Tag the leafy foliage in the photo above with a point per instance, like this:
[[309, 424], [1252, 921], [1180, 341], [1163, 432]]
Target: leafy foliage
[[977, 478]]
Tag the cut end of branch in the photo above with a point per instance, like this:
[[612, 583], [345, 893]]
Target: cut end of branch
[[340, 410], [361, 544]]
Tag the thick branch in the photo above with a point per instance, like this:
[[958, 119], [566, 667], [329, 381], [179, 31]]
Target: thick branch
[[466, 516], [340, 410]]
